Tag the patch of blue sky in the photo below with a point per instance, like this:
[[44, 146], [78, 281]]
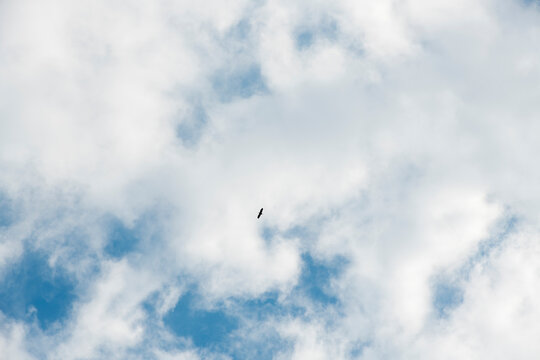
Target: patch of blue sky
[[191, 128], [314, 285], [33, 291], [315, 280], [316, 276], [220, 329], [242, 82], [504, 228], [268, 233], [223, 328], [206, 328], [121, 239], [226, 330], [305, 232], [446, 297], [304, 40], [241, 30], [358, 349], [258, 342], [268, 305], [447, 291], [306, 35], [301, 232], [7, 211]]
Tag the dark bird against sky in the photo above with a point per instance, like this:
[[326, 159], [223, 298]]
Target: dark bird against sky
[[260, 213]]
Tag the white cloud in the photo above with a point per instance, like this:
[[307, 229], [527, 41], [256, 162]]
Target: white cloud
[[399, 139], [12, 340], [179, 355], [111, 319]]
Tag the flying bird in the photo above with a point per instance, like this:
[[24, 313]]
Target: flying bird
[[260, 213]]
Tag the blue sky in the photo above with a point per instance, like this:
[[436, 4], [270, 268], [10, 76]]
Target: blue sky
[[33, 292], [392, 146]]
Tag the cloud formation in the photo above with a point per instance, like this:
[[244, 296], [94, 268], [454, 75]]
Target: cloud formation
[[391, 144]]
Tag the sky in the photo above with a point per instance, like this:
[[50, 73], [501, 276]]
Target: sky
[[392, 144]]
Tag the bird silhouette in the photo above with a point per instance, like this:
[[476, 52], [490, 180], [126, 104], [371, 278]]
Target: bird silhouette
[[260, 213]]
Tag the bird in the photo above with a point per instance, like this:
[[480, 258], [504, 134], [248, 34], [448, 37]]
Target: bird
[[260, 213]]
